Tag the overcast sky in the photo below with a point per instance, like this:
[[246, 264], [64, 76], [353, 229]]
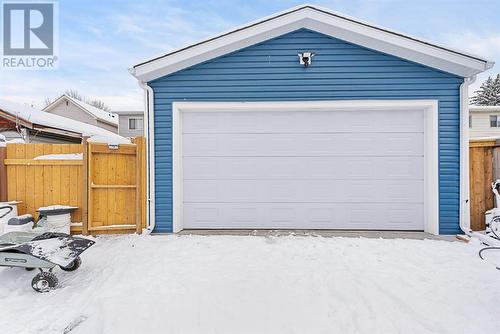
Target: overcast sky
[[100, 40]]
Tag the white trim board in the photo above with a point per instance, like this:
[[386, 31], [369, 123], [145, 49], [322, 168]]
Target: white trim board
[[320, 20], [429, 107]]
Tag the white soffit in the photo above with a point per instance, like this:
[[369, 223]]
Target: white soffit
[[323, 21]]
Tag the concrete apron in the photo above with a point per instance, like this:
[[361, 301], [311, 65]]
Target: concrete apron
[[415, 235]]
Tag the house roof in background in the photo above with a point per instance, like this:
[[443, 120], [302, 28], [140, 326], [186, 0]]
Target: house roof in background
[[324, 21], [129, 112], [484, 108], [97, 113], [44, 121]]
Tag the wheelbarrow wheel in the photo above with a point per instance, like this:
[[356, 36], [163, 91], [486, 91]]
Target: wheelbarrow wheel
[[73, 265], [44, 282]]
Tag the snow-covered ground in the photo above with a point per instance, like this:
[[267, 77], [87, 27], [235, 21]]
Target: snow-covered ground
[[234, 284]]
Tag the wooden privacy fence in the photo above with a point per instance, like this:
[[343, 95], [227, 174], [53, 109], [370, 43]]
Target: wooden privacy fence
[[108, 185], [40, 183], [484, 168]]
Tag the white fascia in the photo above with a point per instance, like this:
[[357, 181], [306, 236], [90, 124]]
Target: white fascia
[[325, 22]]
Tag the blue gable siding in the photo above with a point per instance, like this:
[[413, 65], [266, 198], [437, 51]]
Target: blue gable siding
[[269, 71]]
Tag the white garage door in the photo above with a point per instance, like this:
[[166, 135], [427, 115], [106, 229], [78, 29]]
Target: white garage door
[[303, 169]]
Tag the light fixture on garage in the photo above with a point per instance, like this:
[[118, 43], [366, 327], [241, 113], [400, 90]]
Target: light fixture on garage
[[305, 58]]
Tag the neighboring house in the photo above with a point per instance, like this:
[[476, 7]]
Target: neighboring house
[[67, 106], [248, 135], [35, 126], [484, 121], [131, 123]]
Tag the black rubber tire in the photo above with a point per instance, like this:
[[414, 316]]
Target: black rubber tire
[[44, 282], [73, 265]]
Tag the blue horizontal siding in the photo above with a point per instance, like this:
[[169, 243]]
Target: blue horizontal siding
[[269, 71]]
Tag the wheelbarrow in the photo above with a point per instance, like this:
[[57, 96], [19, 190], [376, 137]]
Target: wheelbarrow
[[43, 252]]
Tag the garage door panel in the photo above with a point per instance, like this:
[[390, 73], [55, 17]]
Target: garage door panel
[[303, 167], [310, 121], [327, 191], [307, 215], [371, 144]]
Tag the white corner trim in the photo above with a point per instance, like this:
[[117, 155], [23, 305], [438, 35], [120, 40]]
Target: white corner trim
[[431, 168], [177, 169], [464, 156], [323, 21], [431, 163]]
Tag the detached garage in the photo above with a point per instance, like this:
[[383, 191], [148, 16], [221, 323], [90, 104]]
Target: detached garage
[[309, 119]]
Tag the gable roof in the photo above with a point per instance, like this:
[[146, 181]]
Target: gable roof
[[97, 113], [323, 21], [46, 122]]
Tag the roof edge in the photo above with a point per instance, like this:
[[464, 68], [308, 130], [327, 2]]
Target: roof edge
[[486, 64], [475, 108], [72, 100]]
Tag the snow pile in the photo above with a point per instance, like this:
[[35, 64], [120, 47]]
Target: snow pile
[[67, 156], [56, 207], [2, 141], [109, 140], [36, 116], [223, 284], [55, 250]]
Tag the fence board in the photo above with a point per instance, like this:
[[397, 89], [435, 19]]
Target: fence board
[[84, 191], [3, 174], [30, 180]]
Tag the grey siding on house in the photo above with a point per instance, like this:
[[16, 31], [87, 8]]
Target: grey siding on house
[[69, 110], [480, 124], [10, 134], [107, 126], [269, 71], [123, 128]]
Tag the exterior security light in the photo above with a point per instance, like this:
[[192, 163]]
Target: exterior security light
[[305, 58]]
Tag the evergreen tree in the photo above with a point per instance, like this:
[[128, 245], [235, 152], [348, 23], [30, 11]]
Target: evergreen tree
[[488, 94]]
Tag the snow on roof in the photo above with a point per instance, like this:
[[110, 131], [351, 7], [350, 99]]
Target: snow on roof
[[129, 112], [321, 20], [100, 114], [484, 108], [36, 116]]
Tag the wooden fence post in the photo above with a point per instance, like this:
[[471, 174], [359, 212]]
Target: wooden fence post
[[3, 174], [138, 206], [85, 193], [480, 176], [144, 182]]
